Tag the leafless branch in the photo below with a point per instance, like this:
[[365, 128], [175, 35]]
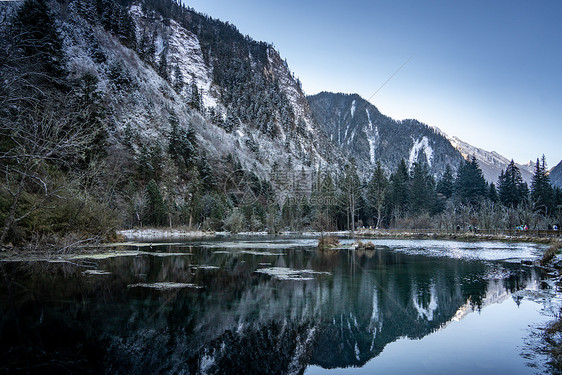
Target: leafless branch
[[88, 240]]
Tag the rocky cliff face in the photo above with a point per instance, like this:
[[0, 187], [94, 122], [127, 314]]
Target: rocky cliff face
[[556, 175], [237, 94]]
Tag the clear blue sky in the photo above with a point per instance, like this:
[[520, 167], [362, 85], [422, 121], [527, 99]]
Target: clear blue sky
[[489, 72]]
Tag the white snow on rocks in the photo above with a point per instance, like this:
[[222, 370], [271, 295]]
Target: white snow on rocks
[[372, 136], [282, 273], [185, 52], [421, 145], [96, 272], [155, 234], [164, 286]]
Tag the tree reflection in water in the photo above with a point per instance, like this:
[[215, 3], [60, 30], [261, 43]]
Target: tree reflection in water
[[56, 317]]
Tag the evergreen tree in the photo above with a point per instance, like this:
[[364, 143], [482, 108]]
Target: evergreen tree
[[470, 185], [146, 47], [557, 196], [155, 207], [493, 193], [126, 29], [195, 100], [87, 10], [142, 46], [421, 189], [558, 203], [193, 194], [446, 184], [205, 172], [399, 187], [148, 163], [39, 38], [511, 186], [433, 204], [231, 122], [182, 145], [163, 66], [541, 190], [377, 193], [178, 79]]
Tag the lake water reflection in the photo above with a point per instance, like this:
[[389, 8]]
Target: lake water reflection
[[273, 306]]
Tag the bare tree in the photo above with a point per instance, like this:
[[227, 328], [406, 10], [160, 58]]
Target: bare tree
[[34, 142], [40, 130]]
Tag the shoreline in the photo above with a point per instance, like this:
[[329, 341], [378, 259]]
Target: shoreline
[[550, 333], [153, 234], [161, 235]]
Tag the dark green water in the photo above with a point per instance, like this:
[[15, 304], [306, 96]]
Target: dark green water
[[247, 306]]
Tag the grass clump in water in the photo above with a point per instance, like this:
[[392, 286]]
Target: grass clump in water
[[365, 245], [550, 253], [553, 338], [328, 242]]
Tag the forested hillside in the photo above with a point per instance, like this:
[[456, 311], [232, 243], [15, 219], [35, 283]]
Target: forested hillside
[[145, 113], [133, 114]]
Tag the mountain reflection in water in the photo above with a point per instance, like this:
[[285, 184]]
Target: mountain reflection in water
[[220, 316]]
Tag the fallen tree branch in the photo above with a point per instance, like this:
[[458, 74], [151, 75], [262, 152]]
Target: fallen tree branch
[[92, 239]]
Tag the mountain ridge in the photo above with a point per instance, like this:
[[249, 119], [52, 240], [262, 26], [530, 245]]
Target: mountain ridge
[[364, 133], [178, 111], [491, 162]]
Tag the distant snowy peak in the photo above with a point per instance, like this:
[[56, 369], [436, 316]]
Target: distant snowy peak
[[491, 162]]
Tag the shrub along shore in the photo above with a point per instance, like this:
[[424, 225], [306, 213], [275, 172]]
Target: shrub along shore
[[468, 235], [552, 333], [180, 234]]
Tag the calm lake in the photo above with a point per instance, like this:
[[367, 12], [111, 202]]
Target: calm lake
[[277, 306]]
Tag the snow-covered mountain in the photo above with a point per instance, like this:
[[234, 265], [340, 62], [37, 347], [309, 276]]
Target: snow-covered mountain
[[368, 136], [157, 63], [492, 163], [237, 94]]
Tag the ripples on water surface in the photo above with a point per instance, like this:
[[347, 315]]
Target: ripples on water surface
[[276, 306]]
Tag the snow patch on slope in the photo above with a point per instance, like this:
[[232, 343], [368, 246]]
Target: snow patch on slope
[[421, 145], [353, 107], [372, 136]]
